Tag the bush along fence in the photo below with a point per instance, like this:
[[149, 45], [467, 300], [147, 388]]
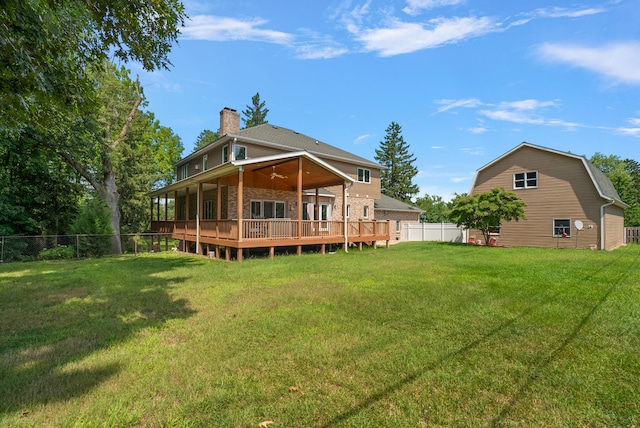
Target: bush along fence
[[60, 247]]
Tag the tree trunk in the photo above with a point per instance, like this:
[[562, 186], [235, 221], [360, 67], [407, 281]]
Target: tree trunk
[[112, 198]]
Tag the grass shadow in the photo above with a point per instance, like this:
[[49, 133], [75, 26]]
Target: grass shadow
[[381, 394], [54, 315]]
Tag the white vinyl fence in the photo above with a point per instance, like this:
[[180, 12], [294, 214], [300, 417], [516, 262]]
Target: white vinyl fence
[[443, 232]]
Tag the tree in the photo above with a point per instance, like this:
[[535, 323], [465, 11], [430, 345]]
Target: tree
[[205, 137], [143, 162], [48, 47], [255, 114], [393, 154], [435, 209], [486, 211], [623, 175]]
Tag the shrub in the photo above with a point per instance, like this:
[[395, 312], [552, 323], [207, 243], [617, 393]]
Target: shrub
[[60, 252]]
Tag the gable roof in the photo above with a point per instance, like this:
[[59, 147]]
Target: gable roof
[[286, 139], [602, 183], [235, 166], [387, 203]]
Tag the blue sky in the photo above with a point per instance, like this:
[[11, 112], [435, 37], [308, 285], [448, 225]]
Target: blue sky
[[467, 80]]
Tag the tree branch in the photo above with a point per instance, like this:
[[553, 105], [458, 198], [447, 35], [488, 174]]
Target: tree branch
[[132, 112]]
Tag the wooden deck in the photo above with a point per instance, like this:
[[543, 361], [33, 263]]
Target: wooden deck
[[224, 235]]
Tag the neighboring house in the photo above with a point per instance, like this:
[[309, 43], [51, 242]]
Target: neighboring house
[[266, 187], [570, 202], [398, 213]]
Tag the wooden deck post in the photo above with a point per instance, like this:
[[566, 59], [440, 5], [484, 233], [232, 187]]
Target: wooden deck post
[[198, 216], [299, 191], [239, 202], [218, 207]]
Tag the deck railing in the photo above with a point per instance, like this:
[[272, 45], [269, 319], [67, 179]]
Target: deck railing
[[273, 229]]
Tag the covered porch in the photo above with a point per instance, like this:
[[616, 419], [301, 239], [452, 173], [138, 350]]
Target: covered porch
[[219, 212]]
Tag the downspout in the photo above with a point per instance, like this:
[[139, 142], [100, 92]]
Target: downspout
[[344, 216], [602, 207]]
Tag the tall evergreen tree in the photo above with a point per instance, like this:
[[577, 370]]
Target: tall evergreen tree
[[255, 114], [396, 180], [205, 137]]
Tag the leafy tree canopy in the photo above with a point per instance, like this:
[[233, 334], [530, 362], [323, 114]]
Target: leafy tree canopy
[[435, 209], [396, 180], [256, 113], [486, 211], [47, 47], [625, 177], [205, 137]]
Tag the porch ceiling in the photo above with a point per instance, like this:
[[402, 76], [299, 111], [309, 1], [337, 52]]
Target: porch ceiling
[[259, 172]]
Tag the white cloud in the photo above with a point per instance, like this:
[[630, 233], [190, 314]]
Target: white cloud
[[314, 51], [619, 61], [478, 130], [633, 130], [405, 37], [452, 104], [478, 151], [563, 12], [361, 138], [216, 28], [414, 7], [437, 147]]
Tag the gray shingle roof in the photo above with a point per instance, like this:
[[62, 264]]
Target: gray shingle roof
[[276, 135], [391, 204]]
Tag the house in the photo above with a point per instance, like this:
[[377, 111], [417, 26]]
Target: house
[[398, 213], [268, 187], [570, 202]]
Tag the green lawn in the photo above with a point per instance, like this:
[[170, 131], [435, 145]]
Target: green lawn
[[419, 334]]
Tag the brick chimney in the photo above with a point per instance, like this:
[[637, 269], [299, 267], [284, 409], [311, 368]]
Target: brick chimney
[[229, 121]]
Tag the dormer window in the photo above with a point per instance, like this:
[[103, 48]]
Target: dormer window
[[525, 180], [185, 171], [225, 154], [205, 162]]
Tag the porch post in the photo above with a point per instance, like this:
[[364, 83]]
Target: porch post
[[316, 212], [299, 191], [166, 207], [240, 191], [344, 216], [198, 215], [166, 220], [174, 228], [186, 222], [158, 208], [218, 207]]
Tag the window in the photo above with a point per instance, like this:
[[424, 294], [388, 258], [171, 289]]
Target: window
[[364, 175], [225, 154], [205, 162], [561, 227], [365, 214], [397, 225], [325, 212], [267, 209], [239, 152], [525, 180], [208, 210], [494, 230], [185, 171]]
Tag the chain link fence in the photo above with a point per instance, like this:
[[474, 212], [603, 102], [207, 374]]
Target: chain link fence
[[59, 247]]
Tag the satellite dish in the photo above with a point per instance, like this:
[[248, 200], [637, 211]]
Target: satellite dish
[[578, 224]]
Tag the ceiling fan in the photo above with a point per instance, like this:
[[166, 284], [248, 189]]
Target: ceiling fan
[[274, 174]]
